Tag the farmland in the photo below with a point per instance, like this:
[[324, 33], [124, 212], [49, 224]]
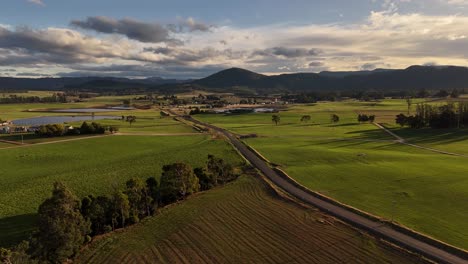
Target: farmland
[[241, 221], [362, 166], [88, 166]]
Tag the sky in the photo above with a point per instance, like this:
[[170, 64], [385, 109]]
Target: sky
[[193, 39]]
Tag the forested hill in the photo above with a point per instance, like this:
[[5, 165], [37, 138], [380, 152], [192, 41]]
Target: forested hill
[[412, 78], [80, 83]]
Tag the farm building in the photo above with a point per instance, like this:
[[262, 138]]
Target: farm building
[[4, 130]]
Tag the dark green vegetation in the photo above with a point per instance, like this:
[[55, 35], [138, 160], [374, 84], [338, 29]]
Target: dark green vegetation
[[62, 228], [89, 166], [362, 166], [452, 115], [242, 221]]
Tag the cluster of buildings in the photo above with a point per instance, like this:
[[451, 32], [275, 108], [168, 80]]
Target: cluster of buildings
[[10, 128]]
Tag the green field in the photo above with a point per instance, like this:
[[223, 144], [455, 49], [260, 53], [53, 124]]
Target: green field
[[360, 165], [241, 222], [88, 166]]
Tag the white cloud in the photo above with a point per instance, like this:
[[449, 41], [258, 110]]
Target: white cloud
[[37, 2]]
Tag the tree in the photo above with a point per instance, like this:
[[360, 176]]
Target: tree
[[334, 118], [401, 119], [409, 102], [177, 182], [276, 119], [139, 198], [305, 118], [153, 191], [131, 119], [17, 254], [61, 227], [113, 129], [219, 171], [98, 210], [120, 208], [455, 93], [207, 180]]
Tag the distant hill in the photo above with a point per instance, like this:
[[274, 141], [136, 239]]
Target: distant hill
[[80, 83], [247, 82], [341, 74], [412, 78], [230, 78]]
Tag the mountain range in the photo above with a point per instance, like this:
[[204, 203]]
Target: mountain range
[[234, 79]]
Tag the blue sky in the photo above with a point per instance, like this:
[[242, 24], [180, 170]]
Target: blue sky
[[190, 39]]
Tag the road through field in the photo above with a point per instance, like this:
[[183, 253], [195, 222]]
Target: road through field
[[375, 227]]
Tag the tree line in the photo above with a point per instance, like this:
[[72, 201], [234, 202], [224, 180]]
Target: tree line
[[57, 130], [65, 223], [451, 115], [365, 118], [15, 99]]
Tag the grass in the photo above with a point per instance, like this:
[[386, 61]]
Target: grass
[[88, 166], [241, 222], [360, 165]]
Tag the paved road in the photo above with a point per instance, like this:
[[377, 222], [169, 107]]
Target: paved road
[[357, 220]]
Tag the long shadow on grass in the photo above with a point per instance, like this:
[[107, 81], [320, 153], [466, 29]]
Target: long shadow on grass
[[16, 228], [432, 135], [343, 125], [369, 134]]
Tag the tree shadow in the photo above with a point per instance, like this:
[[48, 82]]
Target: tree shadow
[[17, 228], [343, 125], [432, 135]]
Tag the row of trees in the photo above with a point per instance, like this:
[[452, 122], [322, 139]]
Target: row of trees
[[15, 99], [65, 223], [57, 130], [334, 118], [366, 118], [451, 115]]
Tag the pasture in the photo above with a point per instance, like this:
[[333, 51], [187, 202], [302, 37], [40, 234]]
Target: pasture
[[88, 166], [241, 221], [362, 166]]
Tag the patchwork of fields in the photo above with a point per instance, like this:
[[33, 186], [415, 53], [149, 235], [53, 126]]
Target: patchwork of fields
[[357, 164], [362, 166], [241, 221]]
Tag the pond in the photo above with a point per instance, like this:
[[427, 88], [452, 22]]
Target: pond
[[91, 110], [44, 120]]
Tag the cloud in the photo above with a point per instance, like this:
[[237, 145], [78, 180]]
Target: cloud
[[456, 2], [28, 47], [316, 64], [37, 2], [141, 31], [190, 25], [287, 52], [133, 29], [383, 39]]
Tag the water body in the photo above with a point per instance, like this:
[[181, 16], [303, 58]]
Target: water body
[[44, 120], [91, 110]]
